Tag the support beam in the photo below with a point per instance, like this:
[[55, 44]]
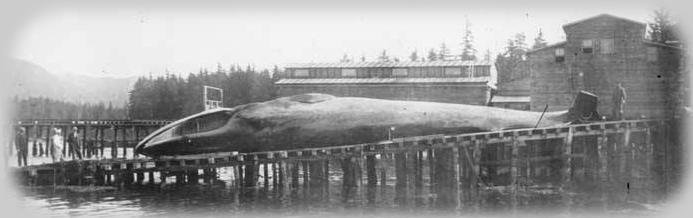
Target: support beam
[[566, 169], [294, 174], [370, 171], [265, 174], [125, 142], [114, 144], [401, 169], [602, 159], [249, 174]]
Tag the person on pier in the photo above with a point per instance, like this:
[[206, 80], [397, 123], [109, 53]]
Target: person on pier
[[73, 141], [619, 100], [22, 145], [57, 145]]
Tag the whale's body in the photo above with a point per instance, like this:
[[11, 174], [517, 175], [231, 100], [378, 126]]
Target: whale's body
[[318, 120]]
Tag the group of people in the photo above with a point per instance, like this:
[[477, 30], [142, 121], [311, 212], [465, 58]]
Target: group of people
[[21, 142]]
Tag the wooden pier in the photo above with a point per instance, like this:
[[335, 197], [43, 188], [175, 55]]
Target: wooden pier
[[596, 156], [95, 135]]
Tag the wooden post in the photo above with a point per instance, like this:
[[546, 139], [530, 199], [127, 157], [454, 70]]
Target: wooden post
[[139, 176], [151, 177], [454, 176], [49, 144], [566, 170], [137, 139], [294, 174], [37, 130], [114, 145], [282, 174], [240, 180], [648, 150], [92, 145], [67, 148], [99, 149], [514, 172], [250, 171], [305, 171], [265, 174], [463, 166], [125, 142], [193, 176], [275, 175], [601, 149], [431, 168], [349, 172], [83, 148], [401, 169], [316, 173], [475, 181], [418, 180], [383, 170], [370, 171], [326, 177]]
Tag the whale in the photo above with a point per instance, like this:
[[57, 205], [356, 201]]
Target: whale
[[316, 120]]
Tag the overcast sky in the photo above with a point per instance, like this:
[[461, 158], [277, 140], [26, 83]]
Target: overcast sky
[[138, 40]]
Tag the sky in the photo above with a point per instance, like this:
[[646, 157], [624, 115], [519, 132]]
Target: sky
[[139, 40]]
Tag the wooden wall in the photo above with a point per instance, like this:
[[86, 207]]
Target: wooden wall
[[645, 82], [463, 94]]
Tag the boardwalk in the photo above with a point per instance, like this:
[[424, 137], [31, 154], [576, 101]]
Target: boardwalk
[[599, 156]]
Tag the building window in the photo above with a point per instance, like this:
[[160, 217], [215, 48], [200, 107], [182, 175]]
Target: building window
[[560, 55], [651, 54], [480, 71], [399, 72], [606, 46], [453, 71], [587, 46], [300, 73], [348, 72]]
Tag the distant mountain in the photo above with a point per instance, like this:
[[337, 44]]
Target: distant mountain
[[28, 79]]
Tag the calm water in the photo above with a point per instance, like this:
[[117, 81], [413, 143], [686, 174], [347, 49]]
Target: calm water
[[221, 197]]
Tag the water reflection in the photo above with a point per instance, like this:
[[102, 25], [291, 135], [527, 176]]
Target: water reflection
[[222, 196]]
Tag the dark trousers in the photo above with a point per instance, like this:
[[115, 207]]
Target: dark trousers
[[21, 156], [75, 148]]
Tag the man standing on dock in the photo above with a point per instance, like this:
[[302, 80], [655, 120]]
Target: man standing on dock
[[619, 99], [22, 145], [73, 141]]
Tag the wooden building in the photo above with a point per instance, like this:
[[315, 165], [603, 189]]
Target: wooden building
[[467, 82], [600, 52], [514, 95]]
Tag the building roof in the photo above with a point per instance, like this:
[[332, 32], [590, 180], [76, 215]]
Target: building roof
[[510, 99], [390, 64], [661, 44], [444, 80], [600, 16], [547, 47]]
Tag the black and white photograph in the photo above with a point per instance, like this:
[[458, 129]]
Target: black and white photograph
[[345, 109]]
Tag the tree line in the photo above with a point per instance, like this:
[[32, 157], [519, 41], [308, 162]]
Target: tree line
[[46, 108], [172, 96]]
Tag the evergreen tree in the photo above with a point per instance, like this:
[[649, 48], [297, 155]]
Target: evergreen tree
[[413, 56], [345, 59], [539, 41], [512, 64], [468, 50], [487, 55], [662, 29], [432, 56], [384, 57], [444, 51]]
